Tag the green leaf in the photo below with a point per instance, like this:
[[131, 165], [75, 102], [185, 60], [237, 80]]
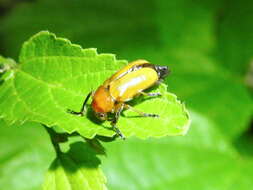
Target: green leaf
[[57, 75], [205, 87], [220, 97], [106, 25], [75, 170], [25, 154], [245, 173], [188, 31], [187, 24], [200, 160], [235, 35], [29, 154], [244, 144]]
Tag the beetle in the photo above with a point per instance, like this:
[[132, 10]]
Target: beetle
[[110, 98]]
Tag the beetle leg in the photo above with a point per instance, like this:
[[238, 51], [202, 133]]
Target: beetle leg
[[143, 114], [151, 94], [82, 111], [115, 120]]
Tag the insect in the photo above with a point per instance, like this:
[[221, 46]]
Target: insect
[[112, 96]]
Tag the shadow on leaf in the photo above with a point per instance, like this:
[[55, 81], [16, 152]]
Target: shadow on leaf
[[80, 156]]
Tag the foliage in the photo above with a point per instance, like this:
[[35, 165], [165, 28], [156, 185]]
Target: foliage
[[76, 169], [111, 28], [49, 94], [202, 154], [235, 36], [25, 153], [207, 45]]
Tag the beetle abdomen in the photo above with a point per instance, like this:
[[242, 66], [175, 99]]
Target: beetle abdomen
[[125, 88]]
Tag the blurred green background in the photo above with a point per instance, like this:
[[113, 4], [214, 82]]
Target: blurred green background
[[208, 44]]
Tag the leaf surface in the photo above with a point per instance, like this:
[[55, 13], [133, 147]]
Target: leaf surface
[[221, 97], [205, 87], [235, 36], [55, 75], [187, 24], [200, 160], [75, 170], [25, 154], [106, 25]]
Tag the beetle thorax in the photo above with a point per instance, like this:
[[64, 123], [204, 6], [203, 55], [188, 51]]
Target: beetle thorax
[[102, 101]]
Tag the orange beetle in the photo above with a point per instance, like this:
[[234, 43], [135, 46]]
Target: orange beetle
[[123, 86]]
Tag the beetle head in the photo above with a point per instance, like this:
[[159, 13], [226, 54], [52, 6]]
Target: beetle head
[[102, 103], [162, 71]]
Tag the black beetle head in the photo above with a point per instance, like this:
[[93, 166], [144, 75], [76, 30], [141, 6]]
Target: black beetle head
[[162, 71]]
